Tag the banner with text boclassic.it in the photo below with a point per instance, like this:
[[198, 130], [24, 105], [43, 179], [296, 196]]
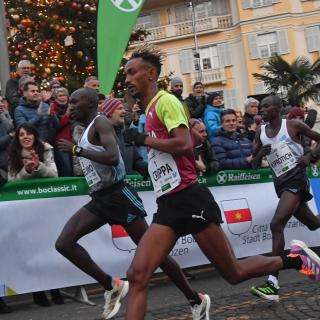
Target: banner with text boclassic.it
[[116, 19], [32, 214]]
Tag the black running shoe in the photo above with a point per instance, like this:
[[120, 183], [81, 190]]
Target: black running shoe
[[267, 291]]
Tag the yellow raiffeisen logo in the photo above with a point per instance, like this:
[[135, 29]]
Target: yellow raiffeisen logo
[[127, 5]]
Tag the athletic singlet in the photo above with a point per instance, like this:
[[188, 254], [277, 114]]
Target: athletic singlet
[[285, 152], [169, 174], [99, 176]]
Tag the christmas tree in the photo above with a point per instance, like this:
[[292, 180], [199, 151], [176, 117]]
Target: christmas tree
[[57, 36]]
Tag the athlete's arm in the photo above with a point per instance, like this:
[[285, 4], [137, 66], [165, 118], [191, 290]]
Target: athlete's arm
[[104, 131], [303, 130], [179, 143], [259, 151]]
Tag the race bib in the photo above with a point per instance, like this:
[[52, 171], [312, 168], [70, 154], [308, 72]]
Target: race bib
[[89, 172], [163, 171], [281, 159]]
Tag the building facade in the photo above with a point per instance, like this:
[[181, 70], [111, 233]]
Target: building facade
[[234, 37]]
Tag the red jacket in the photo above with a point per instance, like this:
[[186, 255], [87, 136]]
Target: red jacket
[[64, 129]]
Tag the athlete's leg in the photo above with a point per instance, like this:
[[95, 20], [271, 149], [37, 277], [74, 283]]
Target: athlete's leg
[[287, 205], [307, 217], [170, 267], [215, 245], [81, 224], [153, 249]]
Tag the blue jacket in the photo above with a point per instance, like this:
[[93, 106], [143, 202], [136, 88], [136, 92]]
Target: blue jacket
[[46, 124], [212, 120], [231, 150]]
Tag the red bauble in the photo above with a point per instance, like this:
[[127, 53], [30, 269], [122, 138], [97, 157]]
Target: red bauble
[[26, 22], [74, 5]]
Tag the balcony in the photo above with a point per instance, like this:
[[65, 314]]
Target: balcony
[[184, 29], [210, 76]]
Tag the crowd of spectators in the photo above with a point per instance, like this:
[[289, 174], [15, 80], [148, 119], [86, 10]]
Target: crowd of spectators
[[32, 121]]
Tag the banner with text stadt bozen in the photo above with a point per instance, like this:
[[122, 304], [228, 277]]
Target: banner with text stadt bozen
[[116, 19], [33, 213]]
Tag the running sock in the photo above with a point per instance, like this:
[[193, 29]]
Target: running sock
[[195, 299], [274, 281], [292, 262], [109, 283]]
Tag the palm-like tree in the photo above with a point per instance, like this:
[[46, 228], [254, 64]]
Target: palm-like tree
[[296, 82]]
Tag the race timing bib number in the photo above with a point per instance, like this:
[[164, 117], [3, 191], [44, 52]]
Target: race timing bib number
[[163, 171], [89, 172], [281, 159]]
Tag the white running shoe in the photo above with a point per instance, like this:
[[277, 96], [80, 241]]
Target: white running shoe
[[113, 298], [201, 312]]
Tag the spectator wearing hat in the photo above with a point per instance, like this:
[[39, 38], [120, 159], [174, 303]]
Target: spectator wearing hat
[[233, 150], [115, 111], [197, 101], [12, 93], [212, 114], [177, 87], [59, 108]]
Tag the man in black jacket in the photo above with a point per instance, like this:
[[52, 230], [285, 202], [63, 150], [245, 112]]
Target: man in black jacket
[[12, 93], [115, 111], [197, 101]]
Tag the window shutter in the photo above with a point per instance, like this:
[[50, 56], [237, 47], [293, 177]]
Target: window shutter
[[283, 43], [225, 54], [246, 4], [230, 98], [312, 35], [186, 61], [253, 46]]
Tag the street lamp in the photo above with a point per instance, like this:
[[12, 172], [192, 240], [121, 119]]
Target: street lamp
[[191, 4]]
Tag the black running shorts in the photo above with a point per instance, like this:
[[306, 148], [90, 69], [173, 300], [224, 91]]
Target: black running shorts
[[118, 204], [296, 186], [188, 211]]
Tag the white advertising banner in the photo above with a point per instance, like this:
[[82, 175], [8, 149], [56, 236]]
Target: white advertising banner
[[29, 228]]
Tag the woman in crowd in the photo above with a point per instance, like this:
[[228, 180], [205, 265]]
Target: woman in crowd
[[30, 158], [59, 108]]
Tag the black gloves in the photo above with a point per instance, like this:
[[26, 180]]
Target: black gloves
[[132, 136]]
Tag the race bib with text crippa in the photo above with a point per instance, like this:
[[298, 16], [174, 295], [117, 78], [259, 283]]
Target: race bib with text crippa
[[163, 171]]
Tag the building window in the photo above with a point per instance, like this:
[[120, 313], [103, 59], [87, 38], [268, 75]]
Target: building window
[[267, 45], [209, 58], [261, 3], [148, 20]]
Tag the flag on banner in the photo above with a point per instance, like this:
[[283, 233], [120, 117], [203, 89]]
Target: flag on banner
[[116, 19], [121, 239], [238, 215]]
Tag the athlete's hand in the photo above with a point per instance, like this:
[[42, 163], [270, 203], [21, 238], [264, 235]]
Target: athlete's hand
[[305, 160], [265, 150], [132, 136], [65, 146]]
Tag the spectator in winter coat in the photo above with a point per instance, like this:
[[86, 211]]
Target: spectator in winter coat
[[212, 114], [12, 87], [29, 157], [206, 161], [197, 101], [114, 110], [232, 149], [34, 110], [59, 108], [6, 134]]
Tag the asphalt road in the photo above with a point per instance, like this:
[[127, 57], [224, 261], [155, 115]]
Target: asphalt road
[[300, 299]]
